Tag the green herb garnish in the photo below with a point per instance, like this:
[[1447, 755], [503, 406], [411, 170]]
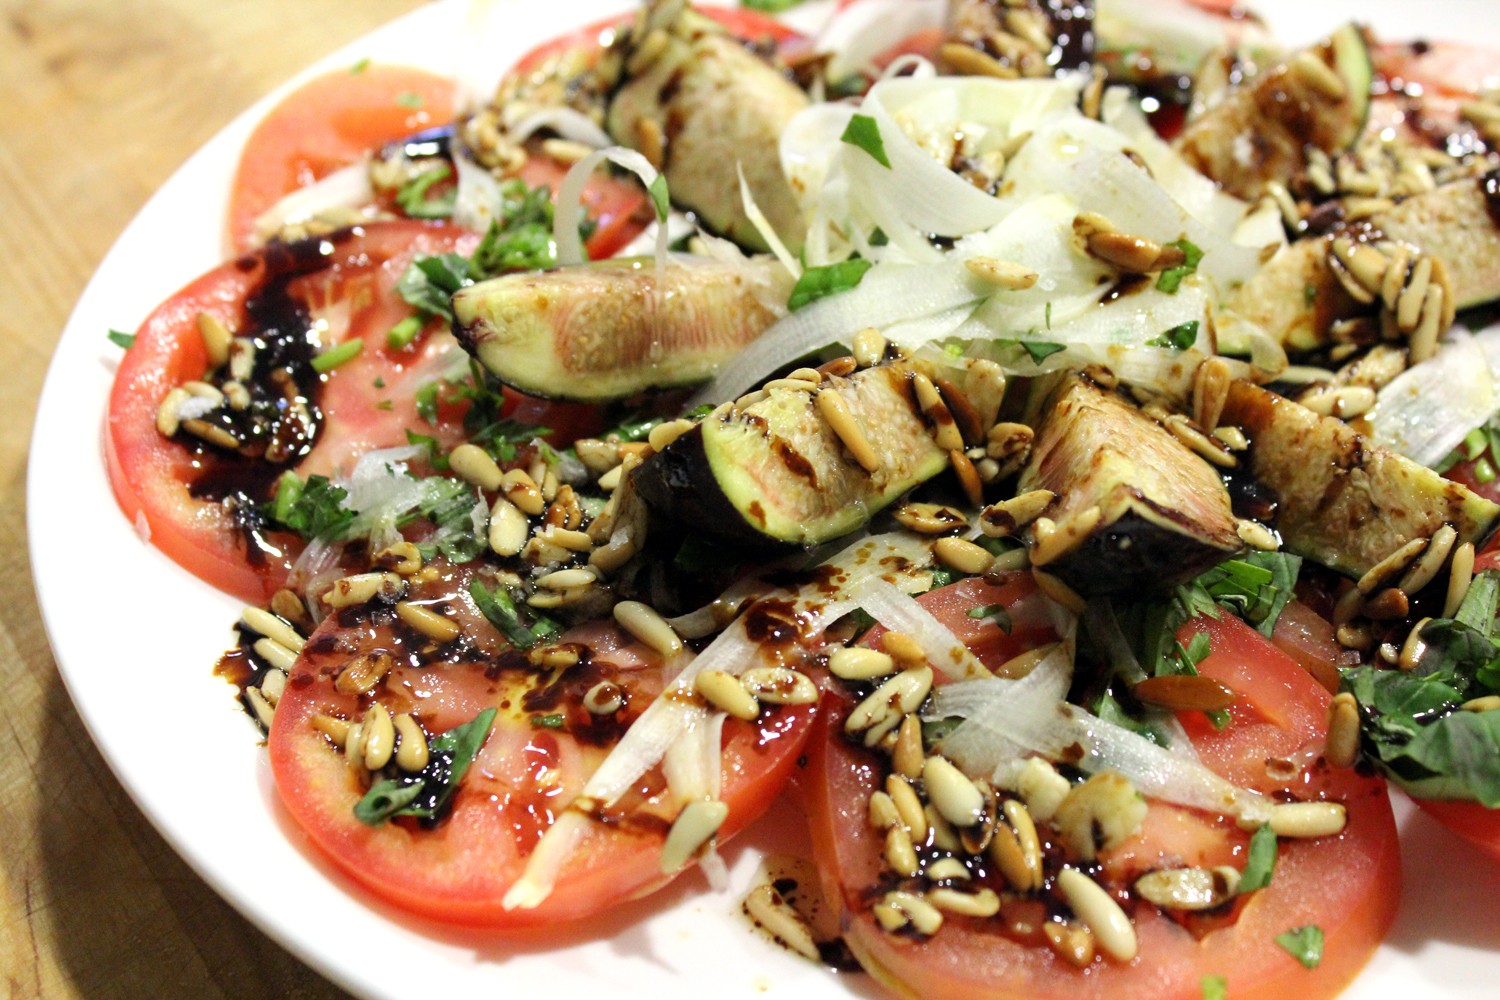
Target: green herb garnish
[[339, 354], [864, 132], [1305, 944], [1169, 280], [819, 282], [124, 341], [1260, 865], [427, 792], [1178, 338]]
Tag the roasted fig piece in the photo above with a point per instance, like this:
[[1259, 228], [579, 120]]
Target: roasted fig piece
[[616, 328], [697, 103], [801, 465], [1262, 131], [1342, 500], [1136, 508]]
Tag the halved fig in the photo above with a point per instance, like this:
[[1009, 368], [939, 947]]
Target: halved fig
[[613, 329]]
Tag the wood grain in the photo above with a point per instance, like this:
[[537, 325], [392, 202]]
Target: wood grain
[[103, 101]]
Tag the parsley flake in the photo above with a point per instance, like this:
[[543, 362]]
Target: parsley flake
[[864, 132]]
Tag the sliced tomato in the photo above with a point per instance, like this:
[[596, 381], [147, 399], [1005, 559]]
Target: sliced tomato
[[328, 123], [172, 489], [617, 206], [543, 746], [1477, 824], [1346, 885]]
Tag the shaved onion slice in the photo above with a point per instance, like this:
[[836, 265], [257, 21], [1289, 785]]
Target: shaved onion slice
[[347, 187], [899, 612], [569, 211], [1426, 411], [669, 719], [1060, 730], [477, 200], [856, 34], [566, 122]]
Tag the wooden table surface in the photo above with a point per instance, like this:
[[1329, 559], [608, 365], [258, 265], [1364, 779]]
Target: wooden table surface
[[104, 100]]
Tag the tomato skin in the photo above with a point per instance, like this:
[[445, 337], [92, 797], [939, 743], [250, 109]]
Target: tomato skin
[[459, 871], [1345, 884], [327, 123], [1476, 823]]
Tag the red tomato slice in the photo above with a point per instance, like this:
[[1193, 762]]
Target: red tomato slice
[[459, 869], [1477, 824], [328, 123], [1346, 885], [166, 486]]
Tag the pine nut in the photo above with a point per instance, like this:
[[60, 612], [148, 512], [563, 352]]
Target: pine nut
[[474, 465], [1256, 535], [1210, 392], [948, 870], [969, 477], [1006, 852], [900, 853], [881, 711], [265, 712], [1018, 818], [523, 491], [380, 737], [725, 692], [906, 650], [883, 812], [908, 805], [335, 729], [963, 555], [982, 903], [272, 627], [665, 433], [898, 910], [1316, 74], [567, 579], [860, 663], [1376, 576], [1058, 591], [644, 623], [1042, 788], [508, 528], [1003, 273], [952, 792], [833, 410], [610, 480], [1003, 519], [1343, 731], [411, 744], [944, 431], [1064, 536], [931, 518], [1189, 889], [354, 745], [275, 654], [1074, 945], [1184, 693], [1460, 575], [778, 918], [363, 673], [1413, 648], [1484, 703], [427, 621], [694, 827], [1097, 910], [940, 832], [779, 686], [908, 755], [361, 588], [869, 347], [216, 338], [1308, 819]]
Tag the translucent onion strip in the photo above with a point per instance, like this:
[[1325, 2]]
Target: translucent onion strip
[[901, 613], [569, 211], [347, 187], [1427, 410]]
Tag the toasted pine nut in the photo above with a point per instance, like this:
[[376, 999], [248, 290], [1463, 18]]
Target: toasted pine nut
[[644, 623], [1098, 911], [272, 627], [275, 654], [900, 853], [361, 588], [216, 338], [411, 746], [903, 648], [1308, 819], [778, 918], [725, 692], [908, 806], [982, 903], [427, 621], [264, 711], [1004, 273], [951, 791], [859, 663], [335, 729], [780, 685], [380, 737], [1343, 730], [474, 465], [523, 491], [907, 757], [833, 409], [869, 347], [963, 555]]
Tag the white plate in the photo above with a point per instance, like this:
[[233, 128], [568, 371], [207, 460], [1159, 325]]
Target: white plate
[[135, 638]]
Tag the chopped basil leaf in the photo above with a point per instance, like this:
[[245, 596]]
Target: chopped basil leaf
[[338, 354], [1039, 350], [430, 281], [659, 197], [818, 282], [1178, 338], [360, 66], [1169, 280], [313, 509], [1215, 988], [862, 131], [1255, 587], [1261, 863], [515, 621], [1411, 721], [124, 341], [413, 200], [1305, 944], [553, 721], [995, 613], [770, 6], [409, 99], [427, 792], [450, 505]]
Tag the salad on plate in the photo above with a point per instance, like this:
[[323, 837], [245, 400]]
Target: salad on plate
[[1046, 441]]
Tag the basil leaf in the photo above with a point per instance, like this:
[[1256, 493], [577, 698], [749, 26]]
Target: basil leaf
[[1178, 338], [1039, 350], [1260, 865], [515, 621], [426, 793], [864, 132], [1305, 944], [412, 196], [770, 6], [1215, 988], [1169, 280], [1255, 587], [818, 282], [313, 509], [995, 613], [124, 341], [659, 197]]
